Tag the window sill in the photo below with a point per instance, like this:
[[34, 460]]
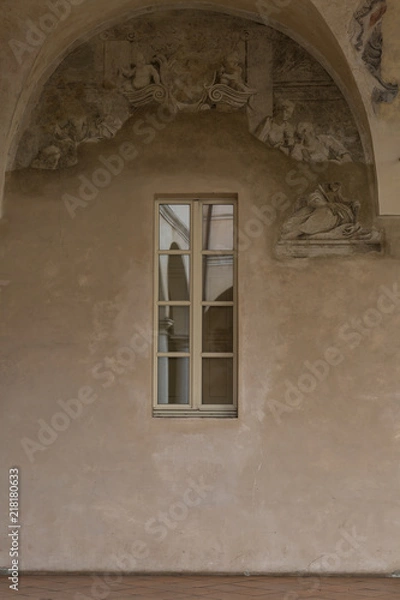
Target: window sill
[[219, 413]]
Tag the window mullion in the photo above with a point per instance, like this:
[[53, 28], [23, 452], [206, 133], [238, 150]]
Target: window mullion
[[156, 242], [196, 304]]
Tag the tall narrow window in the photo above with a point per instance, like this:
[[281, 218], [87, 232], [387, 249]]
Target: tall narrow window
[[195, 355]]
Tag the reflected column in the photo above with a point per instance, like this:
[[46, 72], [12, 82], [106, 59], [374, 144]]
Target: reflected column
[[163, 366], [181, 389]]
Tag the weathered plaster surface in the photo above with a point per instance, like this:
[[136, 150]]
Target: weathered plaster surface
[[287, 485]]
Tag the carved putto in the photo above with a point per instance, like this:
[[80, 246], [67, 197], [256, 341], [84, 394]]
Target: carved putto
[[184, 84], [140, 75], [231, 73]]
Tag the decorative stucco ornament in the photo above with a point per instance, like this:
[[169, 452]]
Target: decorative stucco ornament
[[367, 39]]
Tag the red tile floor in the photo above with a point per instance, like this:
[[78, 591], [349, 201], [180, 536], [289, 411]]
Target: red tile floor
[[71, 587]]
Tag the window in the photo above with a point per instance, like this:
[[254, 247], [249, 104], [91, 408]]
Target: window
[[195, 307]]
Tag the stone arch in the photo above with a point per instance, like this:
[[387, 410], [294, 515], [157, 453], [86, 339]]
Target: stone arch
[[302, 22]]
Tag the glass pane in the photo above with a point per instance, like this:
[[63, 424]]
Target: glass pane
[[218, 278], [217, 381], [173, 381], [218, 227], [174, 226], [218, 329], [174, 277], [173, 329]]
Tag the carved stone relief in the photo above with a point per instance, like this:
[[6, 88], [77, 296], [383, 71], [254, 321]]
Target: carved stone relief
[[367, 39], [190, 61], [301, 141], [177, 85], [326, 222]]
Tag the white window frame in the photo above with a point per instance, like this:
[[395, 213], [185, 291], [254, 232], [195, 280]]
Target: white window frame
[[195, 408]]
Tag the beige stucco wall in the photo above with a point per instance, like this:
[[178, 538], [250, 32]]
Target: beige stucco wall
[[322, 26], [310, 484]]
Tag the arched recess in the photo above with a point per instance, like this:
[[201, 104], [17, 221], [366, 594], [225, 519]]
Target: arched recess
[[302, 21]]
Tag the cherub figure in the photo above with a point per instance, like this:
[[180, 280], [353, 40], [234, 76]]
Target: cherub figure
[[231, 74], [140, 75]]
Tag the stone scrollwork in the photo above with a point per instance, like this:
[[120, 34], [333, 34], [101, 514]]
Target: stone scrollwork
[[225, 95], [151, 93], [177, 84]]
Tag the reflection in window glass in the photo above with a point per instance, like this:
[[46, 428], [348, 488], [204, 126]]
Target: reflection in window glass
[[217, 380], [195, 311], [218, 227], [218, 329], [173, 329], [218, 278], [174, 226], [173, 380], [174, 278]]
